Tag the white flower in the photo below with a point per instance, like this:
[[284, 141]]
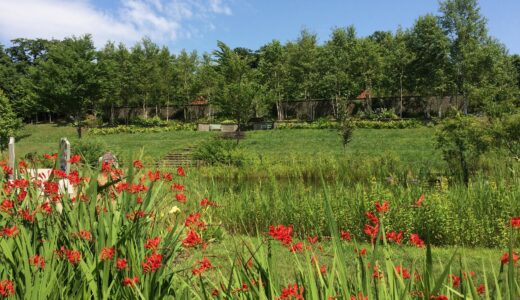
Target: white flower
[[174, 210]]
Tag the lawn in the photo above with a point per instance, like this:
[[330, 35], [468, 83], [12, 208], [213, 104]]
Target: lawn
[[414, 146]]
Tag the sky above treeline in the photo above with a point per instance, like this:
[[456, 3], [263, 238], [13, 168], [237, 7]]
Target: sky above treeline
[[198, 24]]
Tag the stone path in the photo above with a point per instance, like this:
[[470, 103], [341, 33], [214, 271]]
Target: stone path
[[177, 158]]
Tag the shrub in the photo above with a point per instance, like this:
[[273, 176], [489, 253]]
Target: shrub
[[219, 151], [150, 122], [9, 122], [90, 149], [172, 126]]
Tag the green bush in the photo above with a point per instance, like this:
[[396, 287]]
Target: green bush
[[172, 126], [219, 151], [369, 124], [90, 149], [150, 122]]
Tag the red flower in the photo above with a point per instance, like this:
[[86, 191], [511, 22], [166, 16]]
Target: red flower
[[204, 265], [21, 196], [9, 231], [281, 233], [22, 164], [382, 208], [419, 201], [515, 222], [121, 264], [206, 202], [167, 176], [37, 261], [402, 271], [345, 235], [360, 297], [107, 253], [177, 186], [481, 289], [370, 216], [6, 205], [152, 243], [152, 262], [396, 237], [193, 220], [75, 158], [127, 281], [296, 247], [440, 297], [84, 234], [505, 258], [180, 171], [292, 292], [73, 256], [138, 164], [361, 252], [455, 280], [26, 215], [7, 170], [181, 197], [46, 207], [50, 156], [312, 239], [154, 176], [7, 288], [416, 240], [371, 231], [192, 239]]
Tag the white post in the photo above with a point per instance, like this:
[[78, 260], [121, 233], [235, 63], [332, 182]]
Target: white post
[[65, 155], [11, 156]]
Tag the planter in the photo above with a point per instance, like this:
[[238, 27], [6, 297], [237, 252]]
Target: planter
[[215, 127], [203, 127], [229, 127]]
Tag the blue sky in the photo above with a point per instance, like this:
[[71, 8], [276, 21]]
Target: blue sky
[[198, 24]]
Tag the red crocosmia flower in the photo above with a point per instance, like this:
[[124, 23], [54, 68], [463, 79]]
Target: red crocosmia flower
[[154, 176], [73, 256], [296, 247], [180, 171], [281, 233], [455, 280], [7, 288], [371, 231], [59, 173], [292, 292], [20, 183], [21, 196], [75, 158], [515, 222], [396, 237], [136, 214], [505, 258], [22, 164], [206, 202], [361, 252], [46, 207], [215, 292], [345, 235], [377, 274], [121, 264], [51, 187], [74, 178], [359, 297], [192, 239], [138, 164], [9, 231], [416, 240], [419, 201], [128, 281], [323, 269], [402, 271], [471, 274], [481, 289], [193, 220], [50, 156], [372, 218], [6, 205], [203, 265], [37, 261], [107, 253], [152, 262], [84, 234], [177, 187], [382, 208], [26, 215], [153, 243], [312, 239], [7, 170], [181, 197], [167, 176], [440, 297]]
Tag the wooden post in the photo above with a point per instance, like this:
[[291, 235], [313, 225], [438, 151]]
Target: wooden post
[[65, 155], [11, 156]]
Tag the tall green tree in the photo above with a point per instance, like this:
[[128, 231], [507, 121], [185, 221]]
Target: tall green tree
[[302, 58], [185, 69], [9, 122], [69, 78], [273, 74], [110, 78], [399, 59]]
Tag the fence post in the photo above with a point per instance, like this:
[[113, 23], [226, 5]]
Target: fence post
[[65, 155], [11, 155]]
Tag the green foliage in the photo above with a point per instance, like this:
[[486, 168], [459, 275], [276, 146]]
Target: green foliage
[[507, 134], [171, 126], [219, 151], [463, 140], [9, 122], [90, 149], [150, 122], [368, 124]]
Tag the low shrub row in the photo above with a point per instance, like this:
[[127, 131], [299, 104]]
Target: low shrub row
[[369, 124], [140, 129]]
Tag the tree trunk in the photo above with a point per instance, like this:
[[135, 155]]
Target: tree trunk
[[50, 118], [401, 96], [112, 114]]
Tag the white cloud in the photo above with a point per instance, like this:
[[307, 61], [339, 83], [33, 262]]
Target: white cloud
[[163, 21]]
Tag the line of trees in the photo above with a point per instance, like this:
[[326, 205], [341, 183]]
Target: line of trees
[[447, 54]]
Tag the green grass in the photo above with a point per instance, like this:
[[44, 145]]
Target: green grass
[[412, 146]]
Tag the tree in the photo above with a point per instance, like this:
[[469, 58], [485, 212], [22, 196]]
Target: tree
[[302, 57], [69, 78], [370, 67], [399, 59], [273, 74], [9, 122], [110, 78], [238, 90], [466, 29], [185, 70], [430, 48]]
